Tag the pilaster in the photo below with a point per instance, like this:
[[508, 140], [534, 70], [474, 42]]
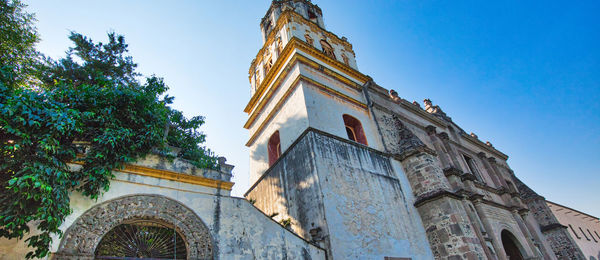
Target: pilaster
[[477, 202]]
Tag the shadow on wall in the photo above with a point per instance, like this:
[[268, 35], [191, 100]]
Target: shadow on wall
[[270, 192]]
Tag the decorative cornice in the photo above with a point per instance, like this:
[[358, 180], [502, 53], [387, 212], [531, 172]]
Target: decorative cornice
[[297, 58], [272, 113], [468, 177], [478, 198], [483, 186], [288, 51], [484, 146], [443, 136], [523, 212], [293, 86], [291, 16], [173, 176], [380, 91]]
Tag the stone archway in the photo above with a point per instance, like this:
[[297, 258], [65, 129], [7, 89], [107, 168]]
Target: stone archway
[[83, 236], [511, 245]]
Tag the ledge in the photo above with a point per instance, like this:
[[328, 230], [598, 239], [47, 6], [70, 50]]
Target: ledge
[[552, 226], [435, 195], [172, 176]]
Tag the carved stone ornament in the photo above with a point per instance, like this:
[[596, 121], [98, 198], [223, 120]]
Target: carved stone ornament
[[394, 95], [309, 39], [83, 236], [327, 49], [345, 58], [268, 65], [279, 45], [403, 141]]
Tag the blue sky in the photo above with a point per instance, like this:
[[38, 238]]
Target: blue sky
[[524, 75]]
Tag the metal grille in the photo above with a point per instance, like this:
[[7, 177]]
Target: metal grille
[[143, 239]]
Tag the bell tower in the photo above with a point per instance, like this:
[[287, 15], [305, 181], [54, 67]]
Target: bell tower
[[301, 69], [315, 152]]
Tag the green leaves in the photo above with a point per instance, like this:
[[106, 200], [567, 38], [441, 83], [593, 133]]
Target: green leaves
[[18, 57], [56, 109]]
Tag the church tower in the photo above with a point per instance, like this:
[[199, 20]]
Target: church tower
[[301, 69], [363, 173], [315, 153]]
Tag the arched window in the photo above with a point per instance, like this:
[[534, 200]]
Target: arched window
[[327, 49], [142, 239], [354, 129], [274, 148]]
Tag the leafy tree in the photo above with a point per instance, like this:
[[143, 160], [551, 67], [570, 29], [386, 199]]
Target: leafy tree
[[17, 38], [89, 108]]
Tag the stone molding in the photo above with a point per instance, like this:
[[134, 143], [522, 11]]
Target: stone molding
[[290, 49], [82, 237], [452, 171], [425, 198], [552, 226], [173, 176]]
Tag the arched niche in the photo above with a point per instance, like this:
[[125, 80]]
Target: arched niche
[[82, 238], [512, 248]]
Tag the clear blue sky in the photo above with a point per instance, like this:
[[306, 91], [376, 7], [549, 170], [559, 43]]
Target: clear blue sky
[[524, 75]]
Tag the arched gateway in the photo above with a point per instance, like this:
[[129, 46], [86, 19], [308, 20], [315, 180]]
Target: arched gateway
[[137, 226]]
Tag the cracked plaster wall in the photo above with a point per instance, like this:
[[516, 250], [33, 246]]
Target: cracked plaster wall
[[359, 198]]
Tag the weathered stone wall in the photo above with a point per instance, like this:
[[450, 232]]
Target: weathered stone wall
[[451, 234], [345, 196], [562, 243], [557, 236], [367, 208], [290, 190], [500, 219], [585, 228], [236, 228], [449, 230]]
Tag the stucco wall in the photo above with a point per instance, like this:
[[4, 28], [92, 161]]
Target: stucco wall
[[290, 121], [349, 191], [239, 230], [332, 121]]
